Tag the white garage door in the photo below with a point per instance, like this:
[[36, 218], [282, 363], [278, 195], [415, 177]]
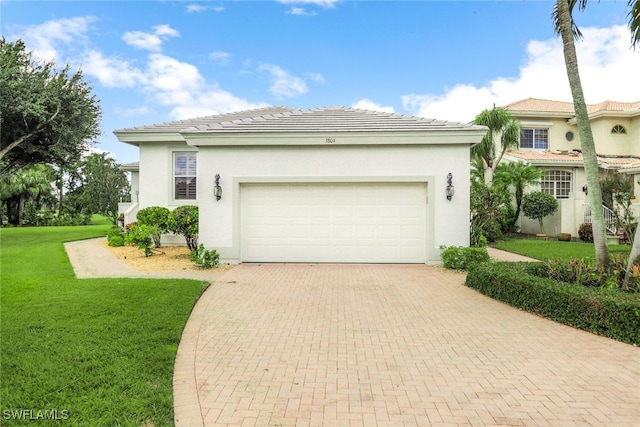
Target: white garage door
[[354, 222]]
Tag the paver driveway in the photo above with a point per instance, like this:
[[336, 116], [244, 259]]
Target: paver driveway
[[370, 345]]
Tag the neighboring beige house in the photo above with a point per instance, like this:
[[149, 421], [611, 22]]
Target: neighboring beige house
[[330, 184], [551, 142]]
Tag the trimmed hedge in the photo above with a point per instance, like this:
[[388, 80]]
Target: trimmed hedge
[[460, 257], [608, 313]]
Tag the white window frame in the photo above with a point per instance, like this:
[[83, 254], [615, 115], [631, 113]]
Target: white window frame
[[544, 142], [185, 173], [558, 183]]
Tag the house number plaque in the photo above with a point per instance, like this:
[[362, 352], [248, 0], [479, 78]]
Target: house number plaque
[[329, 140]]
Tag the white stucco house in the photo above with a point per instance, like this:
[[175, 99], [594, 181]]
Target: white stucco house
[[330, 184], [551, 142]]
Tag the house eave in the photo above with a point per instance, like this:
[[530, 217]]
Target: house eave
[[469, 137], [137, 138]]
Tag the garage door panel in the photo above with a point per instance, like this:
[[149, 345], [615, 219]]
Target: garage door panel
[[361, 222]]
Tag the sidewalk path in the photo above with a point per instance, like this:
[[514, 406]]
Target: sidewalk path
[[90, 259]]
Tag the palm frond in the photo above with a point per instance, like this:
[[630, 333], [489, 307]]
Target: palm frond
[[634, 22]]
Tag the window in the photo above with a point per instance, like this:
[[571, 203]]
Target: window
[[536, 139], [618, 129], [557, 183], [184, 175]]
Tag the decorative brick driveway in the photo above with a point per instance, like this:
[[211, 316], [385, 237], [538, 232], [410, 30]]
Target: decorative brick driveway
[[366, 345]]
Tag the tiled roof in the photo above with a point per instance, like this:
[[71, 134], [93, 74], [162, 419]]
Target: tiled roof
[[286, 119], [179, 125], [569, 158], [531, 105], [541, 105]]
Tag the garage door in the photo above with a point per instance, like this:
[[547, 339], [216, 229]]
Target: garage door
[[354, 222]]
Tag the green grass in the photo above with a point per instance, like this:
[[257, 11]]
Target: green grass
[[100, 351], [555, 250]]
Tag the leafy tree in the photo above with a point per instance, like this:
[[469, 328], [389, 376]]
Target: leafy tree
[[503, 134], [538, 205], [103, 187], [518, 175], [568, 31], [490, 209], [156, 217], [29, 184], [184, 220], [45, 114]]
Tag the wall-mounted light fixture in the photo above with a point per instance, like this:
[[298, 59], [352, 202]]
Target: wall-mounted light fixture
[[217, 190], [449, 189], [585, 189]]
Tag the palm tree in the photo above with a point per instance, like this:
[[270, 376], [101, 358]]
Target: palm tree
[[32, 182], [501, 125], [519, 175], [568, 31], [566, 28]]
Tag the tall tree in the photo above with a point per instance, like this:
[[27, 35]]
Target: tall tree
[[30, 183], [567, 29], [518, 175], [46, 114], [503, 134], [105, 184]]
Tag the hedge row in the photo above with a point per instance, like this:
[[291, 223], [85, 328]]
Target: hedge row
[[608, 313]]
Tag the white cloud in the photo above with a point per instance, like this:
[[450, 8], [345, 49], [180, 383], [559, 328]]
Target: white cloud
[[322, 3], [199, 8], [180, 86], [608, 70], [111, 72], [315, 77], [165, 30], [300, 11], [284, 84], [150, 41], [367, 104], [46, 39], [220, 57]]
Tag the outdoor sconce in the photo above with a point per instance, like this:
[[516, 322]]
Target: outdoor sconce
[[585, 189], [217, 190], [449, 189]]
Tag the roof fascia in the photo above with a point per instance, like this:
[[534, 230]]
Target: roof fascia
[[609, 114], [449, 137], [136, 138]]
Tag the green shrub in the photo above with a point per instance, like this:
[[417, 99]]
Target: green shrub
[[460, 258], [585, 232], [184, 220], [115, 241], [157, 218], [204, 258], [602, 311], [140, 237], [115, 237]]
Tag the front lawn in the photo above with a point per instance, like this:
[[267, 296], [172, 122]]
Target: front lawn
[[88, 352], [545, 250]]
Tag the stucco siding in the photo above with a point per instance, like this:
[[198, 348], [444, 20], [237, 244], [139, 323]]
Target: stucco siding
[[447, 221]]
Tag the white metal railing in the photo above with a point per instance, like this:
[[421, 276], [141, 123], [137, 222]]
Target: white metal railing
[[609, 218]]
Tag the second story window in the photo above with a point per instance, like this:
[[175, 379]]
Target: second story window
[[184, 175], [534, 139], [619, 130]]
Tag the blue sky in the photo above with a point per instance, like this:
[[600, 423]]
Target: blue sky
[[156, 61]]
